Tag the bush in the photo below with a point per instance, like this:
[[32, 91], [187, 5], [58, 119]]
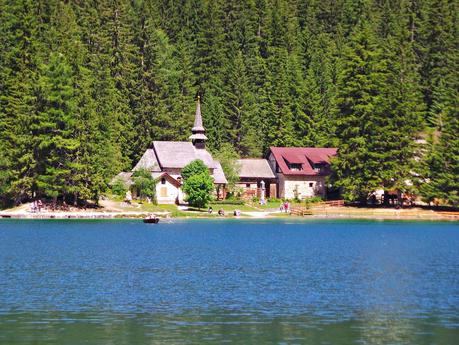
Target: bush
[[197, 189], [119, 188], [313, 200], [198, 184], [145, 184]]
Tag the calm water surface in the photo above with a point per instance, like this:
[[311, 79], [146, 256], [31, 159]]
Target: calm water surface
[[239, 282]]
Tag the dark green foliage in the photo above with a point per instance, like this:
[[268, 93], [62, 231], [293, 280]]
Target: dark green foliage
[[145, 184], [54, 130], [85, 86], [198, 184], [362, 116], [443, 164]]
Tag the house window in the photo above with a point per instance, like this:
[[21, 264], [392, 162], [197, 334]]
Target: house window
[[320, 168], [247, 185], [294, 166], [163, 181], [163, 192], [311, 184]]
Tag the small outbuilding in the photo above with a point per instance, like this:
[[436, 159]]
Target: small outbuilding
[[256, 176]]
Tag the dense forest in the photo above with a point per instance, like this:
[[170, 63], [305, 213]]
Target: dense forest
[[86, 86]]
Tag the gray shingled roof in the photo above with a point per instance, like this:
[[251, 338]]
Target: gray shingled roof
[[177, 154], [126, 177], [148, 161], [255, 168], [198, 127], [219, 175], [205, 156]]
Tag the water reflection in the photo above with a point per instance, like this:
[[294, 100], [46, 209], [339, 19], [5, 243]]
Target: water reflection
[[218, 327]]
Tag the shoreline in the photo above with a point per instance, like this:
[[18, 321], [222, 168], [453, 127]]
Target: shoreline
[[319, 213]]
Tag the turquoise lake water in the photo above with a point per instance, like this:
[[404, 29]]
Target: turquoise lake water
[[236, 282]]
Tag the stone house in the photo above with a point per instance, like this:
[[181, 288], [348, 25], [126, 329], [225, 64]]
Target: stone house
[[300, 171]]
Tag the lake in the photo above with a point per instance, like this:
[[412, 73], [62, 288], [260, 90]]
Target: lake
[[229, 281]]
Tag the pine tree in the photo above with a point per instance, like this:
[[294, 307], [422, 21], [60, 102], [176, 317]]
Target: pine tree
[[436, 42], [363, 122], [278, 126], [317, 126], [238, 103], [442, 178], [404, 98], [21, 25], [54, 141]]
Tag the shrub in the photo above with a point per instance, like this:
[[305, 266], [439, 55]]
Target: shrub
[[145, 184], [198, 184], [198, 189], [313, 200], [119, 188]]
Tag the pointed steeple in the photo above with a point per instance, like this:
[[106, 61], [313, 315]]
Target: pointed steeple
[[198, 138], [198, 127]]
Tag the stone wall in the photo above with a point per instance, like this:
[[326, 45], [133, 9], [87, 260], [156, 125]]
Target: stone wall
[[301, 186]]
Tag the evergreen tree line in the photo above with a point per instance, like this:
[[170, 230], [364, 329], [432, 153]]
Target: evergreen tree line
[[86, 86]]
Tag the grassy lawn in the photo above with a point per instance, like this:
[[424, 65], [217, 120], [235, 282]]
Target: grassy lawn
[[136, 206], [270, 205]]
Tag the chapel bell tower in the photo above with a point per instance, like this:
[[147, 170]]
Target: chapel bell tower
[[198, 138]]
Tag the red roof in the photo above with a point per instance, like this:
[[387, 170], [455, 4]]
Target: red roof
[[169, 178], [306, 156]]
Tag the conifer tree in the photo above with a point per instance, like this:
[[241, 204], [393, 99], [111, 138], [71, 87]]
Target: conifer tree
[[279, 123], [404, 98], [22, 49], [54, 141], [363, 121], [317, 126], [436, 40], [440, 181]]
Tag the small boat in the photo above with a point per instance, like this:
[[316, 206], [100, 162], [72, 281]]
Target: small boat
[[151, 219]]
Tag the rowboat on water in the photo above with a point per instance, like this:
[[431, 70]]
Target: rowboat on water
[[151, 219]]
